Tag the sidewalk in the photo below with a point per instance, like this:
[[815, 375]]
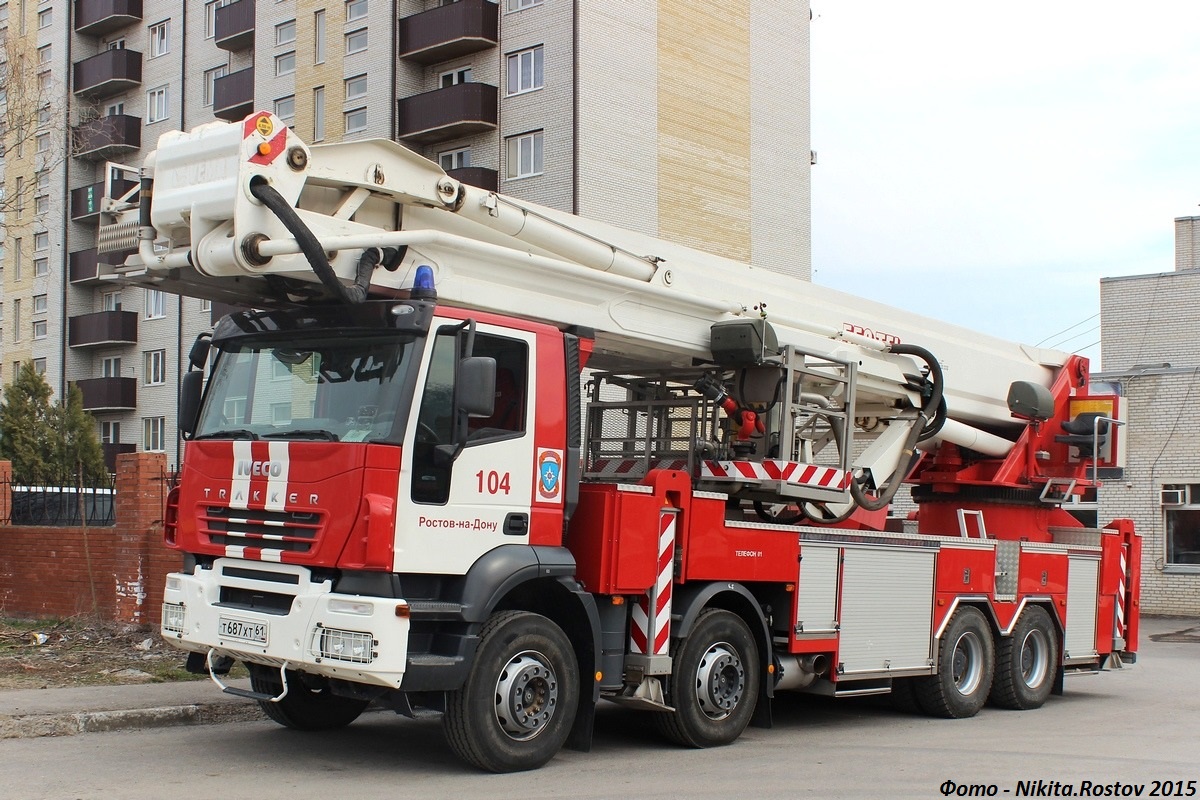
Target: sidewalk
[[26, 713]]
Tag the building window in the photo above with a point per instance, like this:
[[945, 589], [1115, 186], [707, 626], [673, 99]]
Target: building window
[[210, 16], [356, 120], [160, 39], [156, 367], [1181, 517], [524, 155], [210, 82], [205, 304], [156, 304], [356, 9], [281, 413], [525, 71], [41, 204], [156, 105], [518, 5], [319, 37], [116, 44], [110, 301], [285, 109], [318, 113], [154, 431], [110, 433], [455, 159], [285, 32], [17, 258], [110, 367], [356, 87], [16, 319], [42, 180], [41, 241], [39, 366], [46, 18], [114, 109], [455, 77], [356, 42], [39, 304], [41, 267], [45, 55], [39, 329], [285, 63], [43, 142]]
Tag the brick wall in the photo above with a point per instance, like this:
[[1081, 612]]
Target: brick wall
[[112, 573]]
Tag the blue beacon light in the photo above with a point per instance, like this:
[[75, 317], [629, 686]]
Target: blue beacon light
[[423, 288]]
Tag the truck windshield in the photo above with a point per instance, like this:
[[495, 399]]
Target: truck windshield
[[348, 389]]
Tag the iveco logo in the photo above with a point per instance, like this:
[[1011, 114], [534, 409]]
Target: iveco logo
[[269, 469]]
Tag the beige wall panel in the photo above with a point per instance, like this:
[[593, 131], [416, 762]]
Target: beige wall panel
[[704, 125]]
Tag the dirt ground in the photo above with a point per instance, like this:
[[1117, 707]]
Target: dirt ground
[[47, 654]]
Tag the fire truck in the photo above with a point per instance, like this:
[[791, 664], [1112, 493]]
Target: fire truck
[[462, 454]]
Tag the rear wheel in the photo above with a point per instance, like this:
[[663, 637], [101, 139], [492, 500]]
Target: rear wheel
[[966, 663], [1026, 662], [714, 682], [518, 704], [304, 707]]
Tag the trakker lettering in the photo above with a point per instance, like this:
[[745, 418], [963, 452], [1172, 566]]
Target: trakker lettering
[[293, 498]]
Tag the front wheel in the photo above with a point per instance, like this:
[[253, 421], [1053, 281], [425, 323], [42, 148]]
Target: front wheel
[[518, 704], [966, 662], [714, 682], [305, 707], [1026, 662]]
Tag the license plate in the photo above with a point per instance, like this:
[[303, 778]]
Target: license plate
[[244, 630]]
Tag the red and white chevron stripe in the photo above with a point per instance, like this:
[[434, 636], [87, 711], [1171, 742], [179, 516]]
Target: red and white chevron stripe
[[1119, 616], [623, 466], [650, 629], [793, 472]]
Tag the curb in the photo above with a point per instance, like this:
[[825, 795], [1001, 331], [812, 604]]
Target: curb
[[29, 726]]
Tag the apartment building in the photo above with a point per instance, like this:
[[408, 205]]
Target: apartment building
[[1148, 327], [676, 118]]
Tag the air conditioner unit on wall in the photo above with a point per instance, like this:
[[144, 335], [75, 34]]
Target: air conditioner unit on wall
[[1174, 496]]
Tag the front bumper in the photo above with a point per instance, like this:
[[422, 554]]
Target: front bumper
[[301, 623]]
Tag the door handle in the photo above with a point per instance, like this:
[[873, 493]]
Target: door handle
[[516, 525]]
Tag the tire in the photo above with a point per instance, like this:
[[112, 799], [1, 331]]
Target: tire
[[966, 665], [303, 708], [1026, 662], [519, 701], [714, 682]]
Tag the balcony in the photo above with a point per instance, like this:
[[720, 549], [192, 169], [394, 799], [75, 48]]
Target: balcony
[[233, 28], [108, 73], [102, 328], [107, 137], [479, 177], [449, 113], [85, 201], [449, 31], [98, 17], [233, 94], [84, 267], [113, 449], [108, 394]]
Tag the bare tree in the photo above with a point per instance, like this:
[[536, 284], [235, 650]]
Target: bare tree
[[33, 104]]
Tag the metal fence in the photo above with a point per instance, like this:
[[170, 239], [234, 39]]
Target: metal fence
[[62, 506]]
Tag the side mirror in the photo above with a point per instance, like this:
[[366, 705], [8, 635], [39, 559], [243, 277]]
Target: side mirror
[[476, 386], [190, 390], [198, 355]]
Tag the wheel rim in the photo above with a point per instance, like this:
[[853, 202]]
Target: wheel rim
[[720, 681], [526, 695], [967, 663], [1035, 658]]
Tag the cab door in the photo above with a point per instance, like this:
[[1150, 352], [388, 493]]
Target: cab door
[[464, 507]]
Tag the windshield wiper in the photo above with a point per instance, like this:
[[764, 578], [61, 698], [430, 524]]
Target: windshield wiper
[[311, 433], [234, 433]]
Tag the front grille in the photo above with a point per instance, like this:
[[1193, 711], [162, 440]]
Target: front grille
[[293, 531]]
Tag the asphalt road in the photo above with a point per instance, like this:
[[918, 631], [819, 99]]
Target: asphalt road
[[1133, 728]]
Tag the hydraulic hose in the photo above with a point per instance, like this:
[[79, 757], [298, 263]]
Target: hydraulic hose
[[928, 422], [310, 246]]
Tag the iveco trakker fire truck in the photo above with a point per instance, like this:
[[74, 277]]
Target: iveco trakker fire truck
[[468, 455]]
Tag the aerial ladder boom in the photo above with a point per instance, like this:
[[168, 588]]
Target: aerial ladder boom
[[248, 213]]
